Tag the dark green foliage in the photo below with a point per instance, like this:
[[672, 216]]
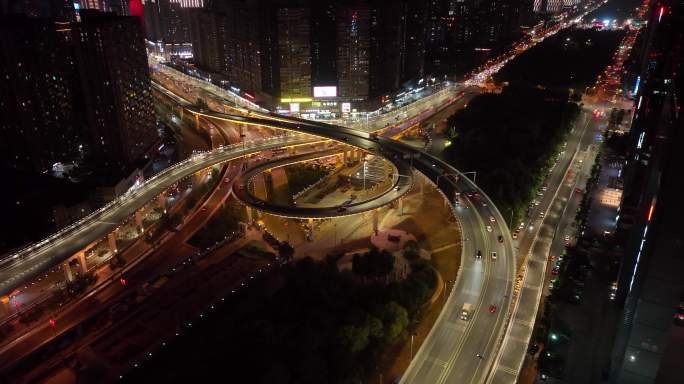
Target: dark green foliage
[[411, 250], [373, 264], [307, 323], [510, 139], [561, 63], [285, 250]]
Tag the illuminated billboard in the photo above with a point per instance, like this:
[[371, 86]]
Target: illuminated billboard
[[327, 91]]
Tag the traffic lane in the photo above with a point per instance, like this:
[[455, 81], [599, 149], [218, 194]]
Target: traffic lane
[[497, 292], [449, 331], [554, 180], [445, 362]]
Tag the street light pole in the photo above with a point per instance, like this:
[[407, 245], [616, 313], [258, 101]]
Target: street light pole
[[364, 178], [411, 358], [474, 175]]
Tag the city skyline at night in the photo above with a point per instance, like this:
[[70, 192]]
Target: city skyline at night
[[341, 191]]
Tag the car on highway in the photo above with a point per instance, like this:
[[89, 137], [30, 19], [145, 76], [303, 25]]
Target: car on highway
[[515, 234], [478, 255], [489, 228], [578, 190], [493, 255], [491, 218], [500, 239], [541, 215], [554, 271], [492, 308], [552, 257], [203, 209]]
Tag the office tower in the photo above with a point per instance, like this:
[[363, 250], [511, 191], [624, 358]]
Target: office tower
[[650, 337], [120, 7], [37, 83], [294, 47], [323, 42], [243, 56], [386, 48], [353, 51], [413, 55], [237, 40], [173, 22], [60, 10], [116, 98], [73, 90], [208, 33]]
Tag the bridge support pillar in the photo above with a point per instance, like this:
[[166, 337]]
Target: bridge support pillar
[[139, 220], [309, 230], [249, 214], [375, 221], [111, 241], [82, 261], [161, 200], [401, 206], [67, 271], [197, 125], [180, 112]]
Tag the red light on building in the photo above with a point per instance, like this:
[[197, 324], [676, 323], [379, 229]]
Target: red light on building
[[137, 9], [123, 281], [52, 322]]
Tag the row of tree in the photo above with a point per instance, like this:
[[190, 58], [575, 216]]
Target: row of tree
[[510, 139]]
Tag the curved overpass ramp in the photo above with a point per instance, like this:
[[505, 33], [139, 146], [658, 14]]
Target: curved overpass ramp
[[400, 186]]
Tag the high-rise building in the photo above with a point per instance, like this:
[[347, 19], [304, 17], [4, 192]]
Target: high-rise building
[[237, 40], [650, 286], [60, 10], [74, 89], [208, 34], [112, 64], [37, 95], [414, 41], [294, 48], [323, 43], [353, 51], [386, 48]]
